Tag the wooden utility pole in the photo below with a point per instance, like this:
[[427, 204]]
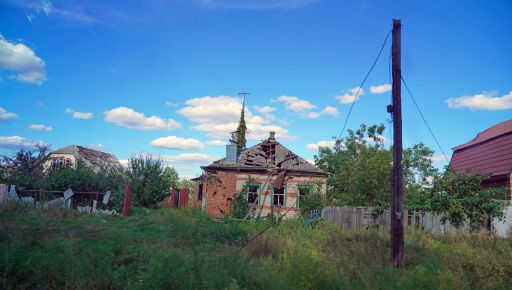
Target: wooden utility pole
[[397, 223]]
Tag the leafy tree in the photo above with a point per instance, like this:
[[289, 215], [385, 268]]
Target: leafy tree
[[78, 178], [460, 197], [239, 206], [24, 168], [313, 200], [359, 168], [241, 131], [171, 177], [150, 180]]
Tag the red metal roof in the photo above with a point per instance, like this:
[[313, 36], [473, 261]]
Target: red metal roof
[[489, 153], [495, 131]]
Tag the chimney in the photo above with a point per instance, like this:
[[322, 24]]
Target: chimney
[[272, 136], [231, 154]]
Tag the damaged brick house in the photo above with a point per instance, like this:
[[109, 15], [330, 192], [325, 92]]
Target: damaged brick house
[[276, 178]]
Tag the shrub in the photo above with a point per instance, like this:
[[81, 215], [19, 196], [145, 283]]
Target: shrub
[[460, 197], [150, 180]]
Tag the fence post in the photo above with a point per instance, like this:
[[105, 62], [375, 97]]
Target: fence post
[[127, 203]]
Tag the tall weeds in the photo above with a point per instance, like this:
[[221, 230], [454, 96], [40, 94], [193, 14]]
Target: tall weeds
[[175, 249]]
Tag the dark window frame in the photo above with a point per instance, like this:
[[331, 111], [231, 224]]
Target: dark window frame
[[279, 196], [300, 188], [254, 196]]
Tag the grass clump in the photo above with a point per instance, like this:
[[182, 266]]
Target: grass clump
[[176, 249]]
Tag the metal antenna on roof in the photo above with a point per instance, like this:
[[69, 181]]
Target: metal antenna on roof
[[243, 95]]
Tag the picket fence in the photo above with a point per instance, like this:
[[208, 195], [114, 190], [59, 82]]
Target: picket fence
[[363, 218]]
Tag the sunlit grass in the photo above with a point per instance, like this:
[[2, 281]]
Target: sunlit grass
[[172, 249]]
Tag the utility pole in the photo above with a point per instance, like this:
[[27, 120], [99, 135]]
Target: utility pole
[[397, 215]]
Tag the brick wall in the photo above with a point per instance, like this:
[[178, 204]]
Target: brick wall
[[220, 188]]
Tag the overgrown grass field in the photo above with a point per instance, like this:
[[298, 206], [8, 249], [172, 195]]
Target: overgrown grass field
[[171, 249]]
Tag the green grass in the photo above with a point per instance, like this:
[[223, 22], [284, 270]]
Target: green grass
[[170, 249]]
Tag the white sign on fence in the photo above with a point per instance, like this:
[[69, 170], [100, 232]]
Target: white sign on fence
[[68, 193], [3, 194], [12, 192], [106, 197]]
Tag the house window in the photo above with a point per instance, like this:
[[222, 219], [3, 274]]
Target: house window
[[303, 191], [58, 162], [252, 194], [278, 198]]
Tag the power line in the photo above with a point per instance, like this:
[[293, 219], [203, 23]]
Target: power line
[[361, 86], [424, 120]]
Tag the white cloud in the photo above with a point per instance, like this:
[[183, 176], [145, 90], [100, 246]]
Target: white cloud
[[379, 138], [380, 89], [68, 10], [79, 115], [439, 158], [127, 117], [4, 115], [124, 162], [40, 127], [171, 104], [311, 161], [215, 143], [219, 116], [82, 116], [349, 95], [295, 104], [328, 110], [484, 101], [177, 143], [17, 142], [313, 115], [22, 60], [315, 146], [98, 147], [190, 158], [264, 109]]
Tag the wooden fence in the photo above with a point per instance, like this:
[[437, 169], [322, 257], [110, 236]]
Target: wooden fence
[[362, 218]]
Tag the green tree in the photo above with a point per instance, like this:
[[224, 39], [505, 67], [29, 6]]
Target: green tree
[[78, 178], [24, 168], [150, 180], [460, 197], [313, 200], [359, 168], [171, 177], [241, 130], [239, 206]]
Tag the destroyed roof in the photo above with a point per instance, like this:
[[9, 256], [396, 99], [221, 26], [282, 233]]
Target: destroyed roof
[[268, 154], [93, 158]]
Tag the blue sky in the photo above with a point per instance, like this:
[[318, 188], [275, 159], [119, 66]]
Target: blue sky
[[162, 77]]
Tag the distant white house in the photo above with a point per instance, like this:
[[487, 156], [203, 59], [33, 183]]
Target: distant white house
[[69, 155]]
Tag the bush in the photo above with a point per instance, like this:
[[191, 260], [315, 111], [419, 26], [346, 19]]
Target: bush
[[460, 197], [150, 180]]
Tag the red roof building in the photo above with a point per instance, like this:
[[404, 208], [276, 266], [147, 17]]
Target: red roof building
[[489, 153]]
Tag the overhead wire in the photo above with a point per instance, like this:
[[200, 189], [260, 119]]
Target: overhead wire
[[424, 119], [362, 84]]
